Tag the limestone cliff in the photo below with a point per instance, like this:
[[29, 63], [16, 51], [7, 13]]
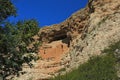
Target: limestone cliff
[[103, 29], [72, 42]]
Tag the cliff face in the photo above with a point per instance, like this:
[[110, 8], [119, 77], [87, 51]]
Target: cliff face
[[103, 29], [71, 27], [72, 42]]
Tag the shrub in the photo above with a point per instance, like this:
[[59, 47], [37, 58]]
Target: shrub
[[14, 51], [97, 67]]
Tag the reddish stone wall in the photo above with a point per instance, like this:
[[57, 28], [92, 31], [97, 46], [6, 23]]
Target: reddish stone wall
[[53, 50]]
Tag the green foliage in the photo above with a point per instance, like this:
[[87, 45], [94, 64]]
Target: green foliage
[[28, 29], [14, 41], [6, 9], [14, 51], [97, 68], [62, 69], [111, 49]]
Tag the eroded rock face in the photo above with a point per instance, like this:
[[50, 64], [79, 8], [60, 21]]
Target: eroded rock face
[[71, 27], [53, 51], [103, 29]]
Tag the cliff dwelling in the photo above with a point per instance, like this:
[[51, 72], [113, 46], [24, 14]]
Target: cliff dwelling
[[56, 48]]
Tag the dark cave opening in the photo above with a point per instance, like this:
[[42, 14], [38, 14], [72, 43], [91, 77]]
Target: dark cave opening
[[65, 39], [59, 37]]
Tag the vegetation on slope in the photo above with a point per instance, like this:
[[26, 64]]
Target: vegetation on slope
[[97, 68]]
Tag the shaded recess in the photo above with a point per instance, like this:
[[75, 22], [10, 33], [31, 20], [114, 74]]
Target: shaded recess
[[63, 37], [59, 37]]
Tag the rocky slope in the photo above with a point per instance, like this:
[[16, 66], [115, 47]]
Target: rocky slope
[[103, 29], [72, 42]]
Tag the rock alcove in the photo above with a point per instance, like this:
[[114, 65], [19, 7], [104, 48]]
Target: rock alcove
[[55, 48]]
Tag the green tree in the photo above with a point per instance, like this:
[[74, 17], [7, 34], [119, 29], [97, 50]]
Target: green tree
[[13, 47], [27, 30], [14, 41], [6, 9]]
